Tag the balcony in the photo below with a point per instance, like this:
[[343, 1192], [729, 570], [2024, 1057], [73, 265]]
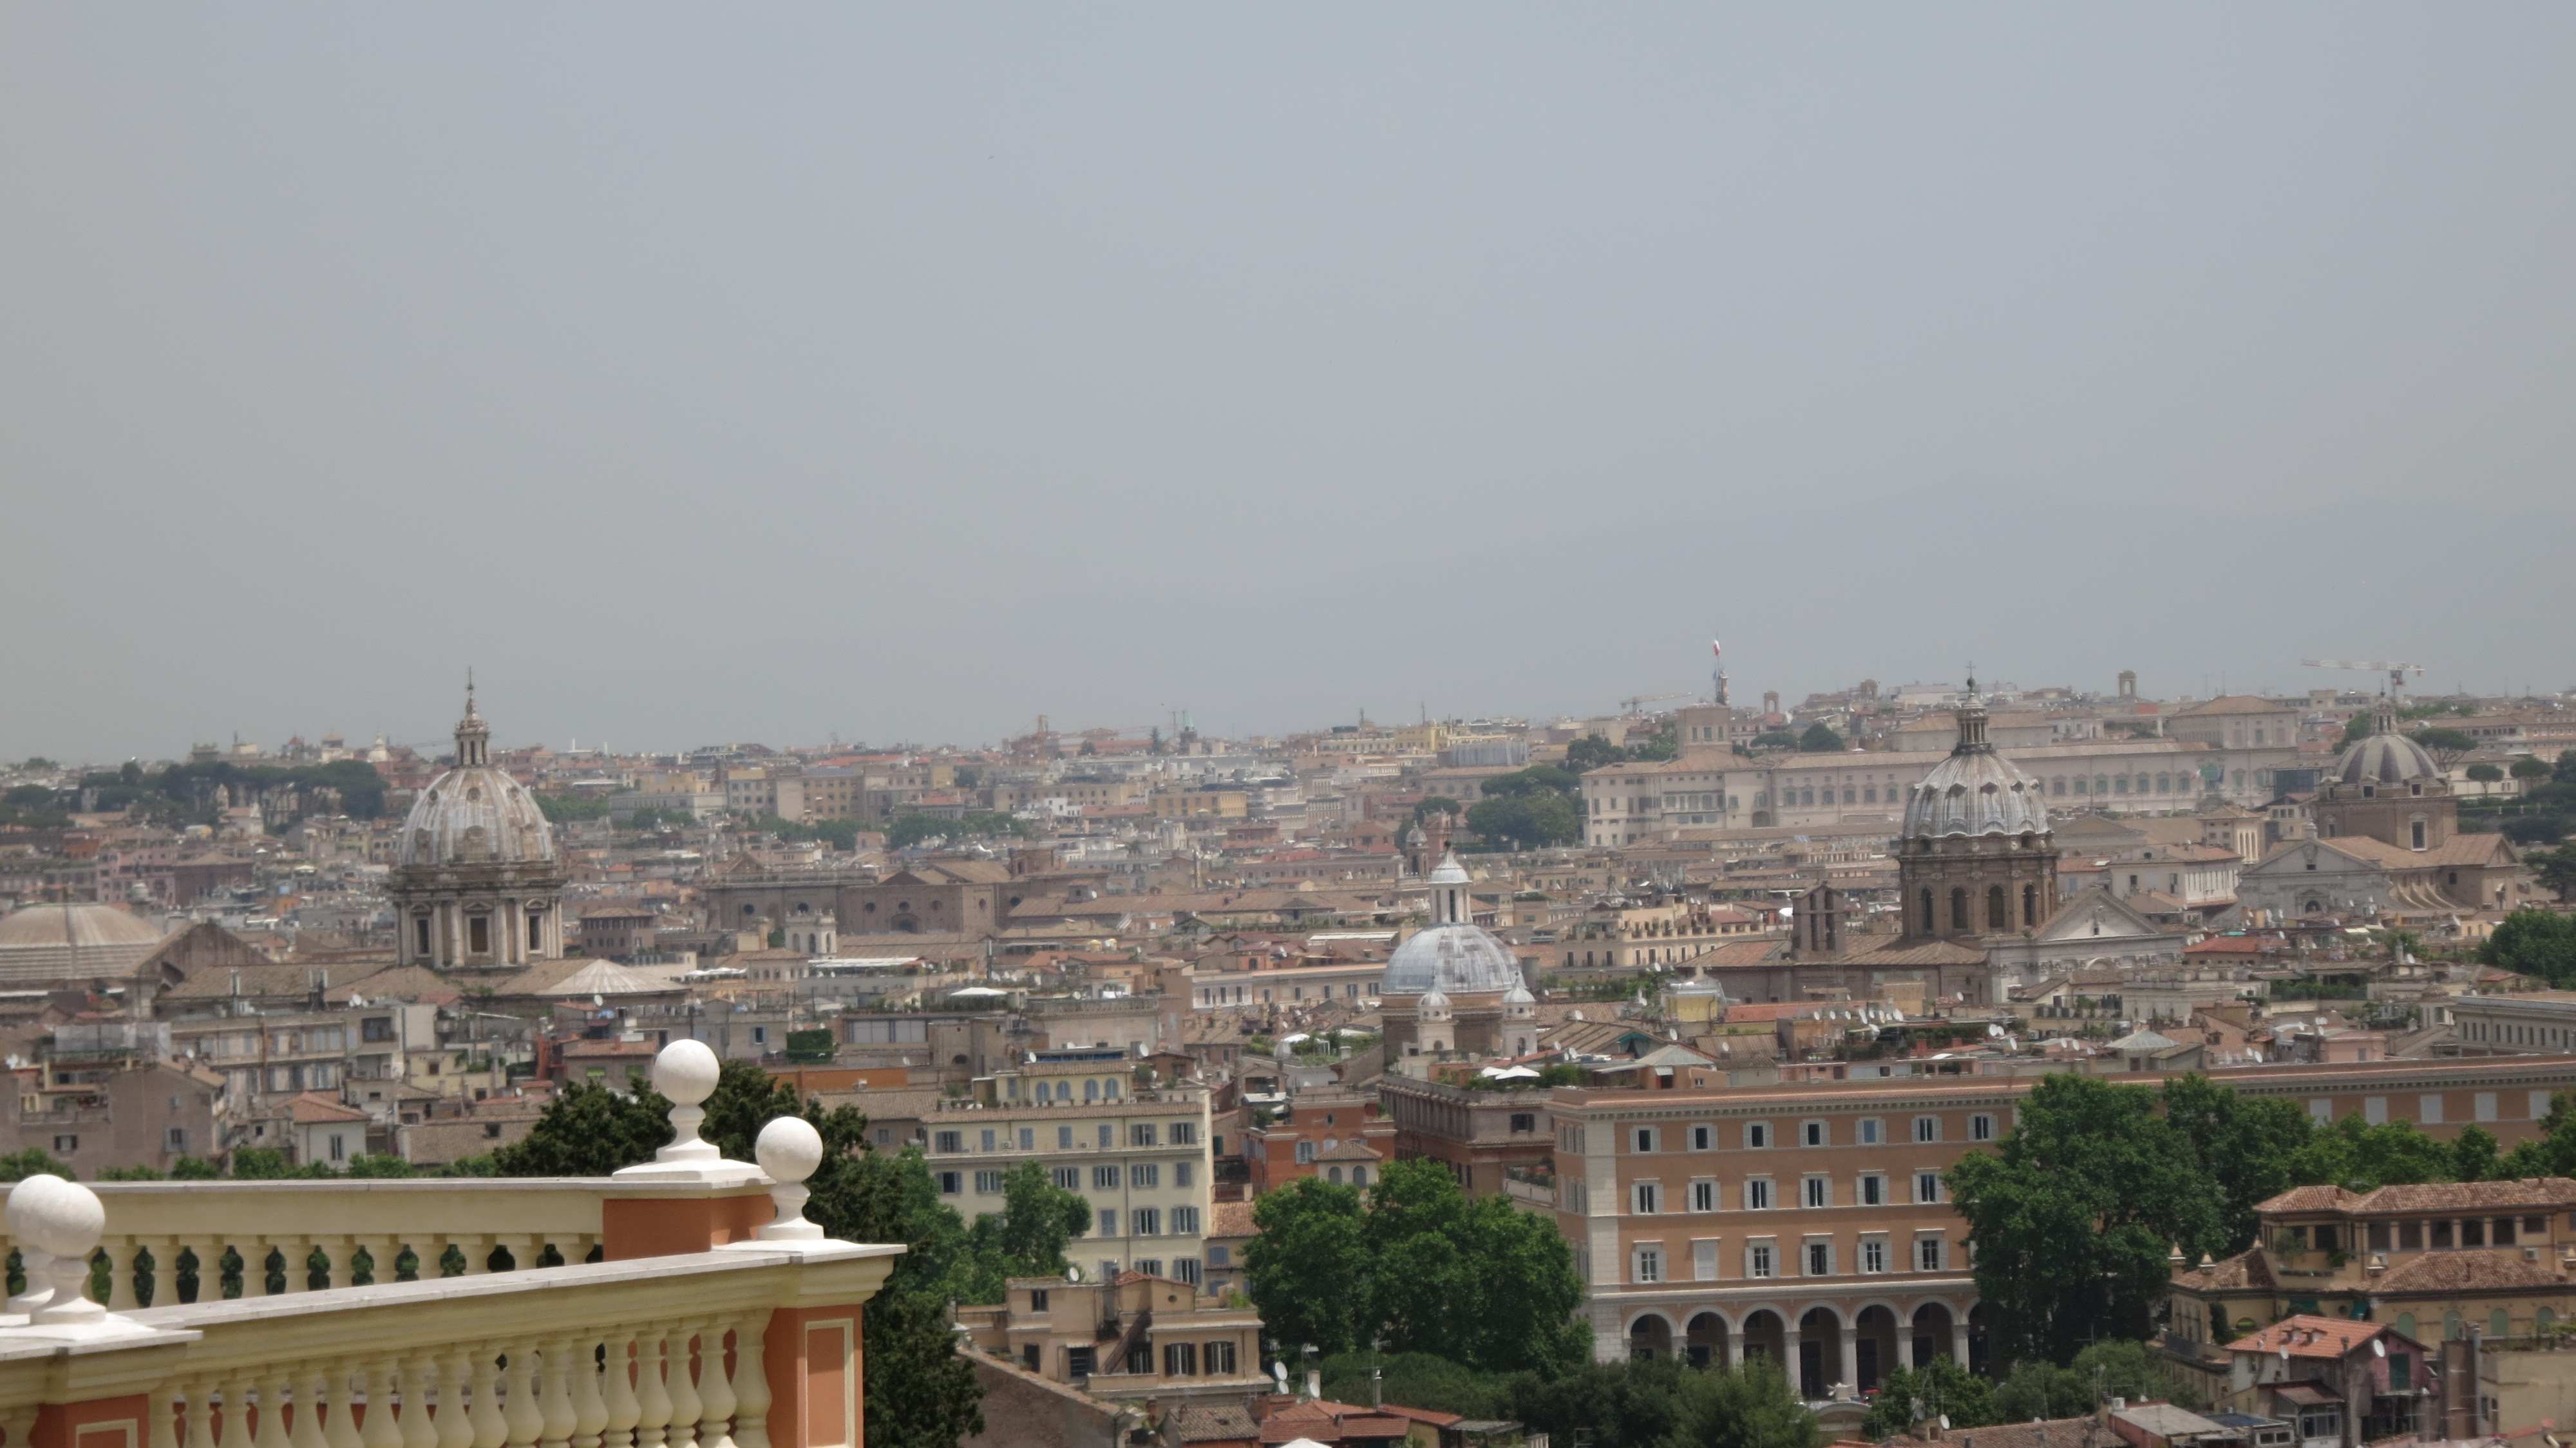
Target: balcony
[[1535, 1185], [710, 1311]]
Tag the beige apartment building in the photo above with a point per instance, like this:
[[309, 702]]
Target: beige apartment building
[[1134, 1337], [1139, 1155], [1810, 1225]]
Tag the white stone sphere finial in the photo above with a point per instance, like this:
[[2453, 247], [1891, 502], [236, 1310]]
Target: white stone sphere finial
[[20, 1216], [789, 1150], [64, 1220], [686, 1072]]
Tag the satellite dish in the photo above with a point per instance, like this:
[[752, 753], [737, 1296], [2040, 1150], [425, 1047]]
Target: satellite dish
[[1945, 1422], [2379, 1347], [1072, 1274]]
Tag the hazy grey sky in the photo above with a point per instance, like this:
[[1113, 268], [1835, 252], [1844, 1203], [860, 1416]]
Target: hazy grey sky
[[707, 373]]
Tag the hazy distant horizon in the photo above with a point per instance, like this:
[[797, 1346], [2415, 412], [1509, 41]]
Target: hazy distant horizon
[[698, 376]]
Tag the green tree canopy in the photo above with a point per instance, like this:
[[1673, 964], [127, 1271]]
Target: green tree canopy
[[2073, 1217], [1591, 752], [2486, 773], [1419, 1264], [587, 1130], [1820, 740], [1746, 1406], [2539, 943], [1433, 804], [2554, 869], [1538, 778], [1526, 821], [1775, 739], [2244, 1143], [2528, 767], [2447, 746], [1940, 1389], [908, 830], [2357, 1156]]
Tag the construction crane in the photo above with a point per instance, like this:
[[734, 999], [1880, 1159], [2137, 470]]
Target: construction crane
[[1629, 706], [2396, 672]]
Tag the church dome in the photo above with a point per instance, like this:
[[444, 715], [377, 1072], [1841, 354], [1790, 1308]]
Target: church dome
[[1458, 959], [1975, 791], [475, 814], [2389, 758]]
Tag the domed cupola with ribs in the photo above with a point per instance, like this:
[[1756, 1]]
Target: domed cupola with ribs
[[476, 884], [1975, 855], [2386, 787]]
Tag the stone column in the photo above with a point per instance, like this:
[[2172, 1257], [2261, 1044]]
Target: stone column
[[653, 1427], [1851, 1359], [715, 1392], [554, 1399], [1734, 1347], [1959, 1343], [589, 1404], [120, 1275], [681, 1384], [618, 1388], [1793, 1362]]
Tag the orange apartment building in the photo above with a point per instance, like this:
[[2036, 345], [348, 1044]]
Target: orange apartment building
[[1809, 1224], [1336, 1135]]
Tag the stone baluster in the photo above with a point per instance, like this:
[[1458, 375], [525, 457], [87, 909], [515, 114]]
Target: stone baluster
[[715, 1388], [554, 1396], [298, 1252], [235, 1431], [653, 1427], [339, 1391], [454, 1423], [618, 1383], [491, 1429], [272, 1412], [589, 1404], [682, 1385], [419, 1383], [382, 1429], [478, 1253], [343, 1251], [519, 1400], [381, 1252], [306, 1429], [200, 1427], [750, 1382], [120, 1274], [160, 1413], [18, 1422]]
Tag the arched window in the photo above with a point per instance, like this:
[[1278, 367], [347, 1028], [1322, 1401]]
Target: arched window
[[2057, 785], [1334, 1175], [1929, 921], [2030, 904], [1998, 915], [2120, 785], [2497, 1325], [1958, 909], [2080, 787]]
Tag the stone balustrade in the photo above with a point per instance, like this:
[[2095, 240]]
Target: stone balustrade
[[174, 1243], [716, 1315]]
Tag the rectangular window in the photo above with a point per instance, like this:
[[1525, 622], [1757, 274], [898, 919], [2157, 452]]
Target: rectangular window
[[2428, 1111], [2321, 1110], [1144, 1174], [1108, 1136], [1186, 1269], [2378, 1236], [1185, 1221], [1704, 1260], [1757, 1135], [1650, 1265], [1644, 1139], [1305, 1153], [1524, 1121], [949, 1141], [1180, 1359], [1927, 1254], [2486, 1106], [1819, 1191], [1872, 1132], [1981, 1128], [1702, 1138], [1219, 1358], [1873, 1254], [1181, 1173], [1064, 1138], [1648, 1197], [1873, 1190], [1105, 1222], [1703, 1196], [1028, 1138], [1757, 1260], [1038, 1300], [2374, 1109], [1148, 1222], [1185, 1133], [1757, 1194], [951, 1183], [1104, 1178], [1067, 1178], [2410, 1236], [988, 1183], [1927, 1128], [1927, 1186], [1820, 1259], [1813, 1133], [986, 1141], [1140, 1134]]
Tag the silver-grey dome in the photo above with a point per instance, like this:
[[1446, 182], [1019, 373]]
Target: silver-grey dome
[[1975, 791], [2389, 758], [1453, 959], [475, 814]]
